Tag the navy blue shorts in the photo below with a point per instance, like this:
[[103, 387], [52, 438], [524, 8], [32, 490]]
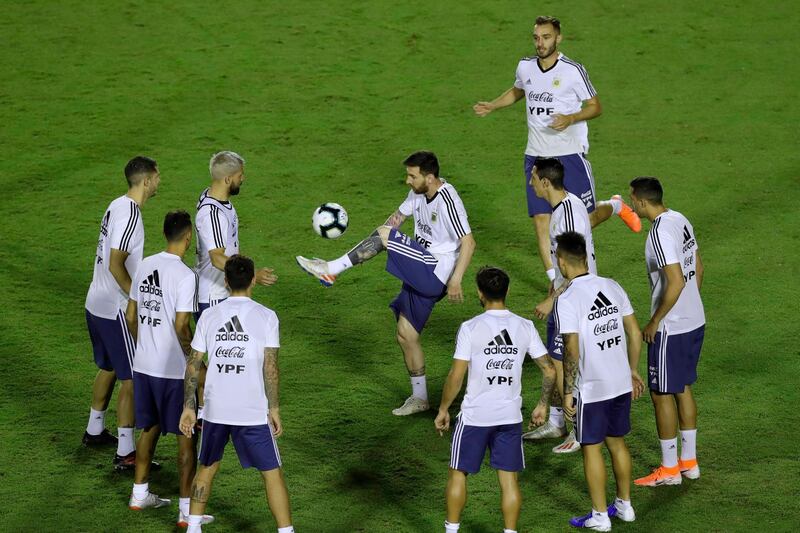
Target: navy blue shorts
[[202, 307], [157, 402], [555, 344], [470, 443], [672, 362], [412, 264], [112, 344], [255, 445], [608, 418], [578, 180]]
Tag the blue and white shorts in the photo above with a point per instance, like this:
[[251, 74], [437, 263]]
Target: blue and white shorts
[[255, 445], [578, 179], [471, 442], [607, 418], [672, 360], [157, 402], [112, 344]]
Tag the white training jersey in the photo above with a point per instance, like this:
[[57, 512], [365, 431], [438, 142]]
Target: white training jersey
[[571, 215], [162, 287], [439, 225], [217, 226], [671, 240], [561, 89], [121, 229], [234, 334], [593, 308], [495, 344]]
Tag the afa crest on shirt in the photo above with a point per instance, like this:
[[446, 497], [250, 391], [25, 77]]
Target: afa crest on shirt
[[433, 217], [556, 82]]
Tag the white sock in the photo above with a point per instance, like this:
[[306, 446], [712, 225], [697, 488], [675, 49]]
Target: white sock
[[419, 387], [557, 417], [97, 422], [337, 266], [194, 521], [616, 205], [623, 504], [603, 517], [509, 530], [669, 452], [287, 529], [450, 527], [183, 505], [688, 444], [125, 443], [141, 490], [200, 413]]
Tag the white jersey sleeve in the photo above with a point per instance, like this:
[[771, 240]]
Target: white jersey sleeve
[[126, 230], [583, 88], [518, 81], [565, 316], [665, 246], [456, 213], [536, 348], [187, 294], [212, 228], [463, 344], [407, 207], [272, 339]]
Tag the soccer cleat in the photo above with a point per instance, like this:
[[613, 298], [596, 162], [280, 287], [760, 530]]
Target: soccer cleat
[[317, 268], [569, 445], [128, 462], [183, 520], [624, 513], [105, 438], [546, 431], [411, 405], [592, 520], [148, 502], [689, 468], [660, 476], [628, 216]]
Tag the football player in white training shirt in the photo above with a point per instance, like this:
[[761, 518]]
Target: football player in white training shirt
[[491, 348], [675, 331], [431, 265], [602, 342], [119, 251], [559, 99], [162, 299], [241, 339], [569, 214]]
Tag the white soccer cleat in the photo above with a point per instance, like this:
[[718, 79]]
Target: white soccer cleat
[[183, 520], [569, 445], [621, 511], [545, 431], [148, 502], [411, 405], [317, 268]]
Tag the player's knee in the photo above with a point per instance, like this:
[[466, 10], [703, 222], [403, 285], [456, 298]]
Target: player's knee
[[406, 334], [383, 233]]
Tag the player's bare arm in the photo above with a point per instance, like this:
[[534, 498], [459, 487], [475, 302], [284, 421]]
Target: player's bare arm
[[452, 385], [633, 336], [264, 275], [116, 265], [510, 97], [591, 109], [396, 220], [540, 412], [699, 271], [131, 318], [184, 332], [571, 358], [271, 388], [218, 258], [674, 286], [468, 245], [190, 380]]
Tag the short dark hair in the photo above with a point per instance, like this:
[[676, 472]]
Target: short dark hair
[[137, 167], [648, 188], [552, 170], [426, 161], [492, 282], [239, 272], [571, 246], [176, 224], [549, 20]]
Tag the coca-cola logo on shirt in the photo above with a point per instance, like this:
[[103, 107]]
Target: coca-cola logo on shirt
[[235, 352], [607, 327], [505, 364]]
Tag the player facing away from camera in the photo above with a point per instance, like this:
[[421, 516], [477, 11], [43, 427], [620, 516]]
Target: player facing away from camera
[[559, 100], [569, 214], [119, 252], [675, 331], [241, 339], [163, 297], [602, 343], [491, 348], [431, 265]]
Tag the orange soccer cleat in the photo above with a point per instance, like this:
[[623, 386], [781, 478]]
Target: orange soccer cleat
[[628, 216], [661, 476]]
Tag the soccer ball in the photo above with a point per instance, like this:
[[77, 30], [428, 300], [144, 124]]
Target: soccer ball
[[329, 220]]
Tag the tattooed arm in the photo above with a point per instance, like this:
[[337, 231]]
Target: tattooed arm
[[184, 332], [271, 388], [396, 220], [190, 379], [540, 412], [571, 359]]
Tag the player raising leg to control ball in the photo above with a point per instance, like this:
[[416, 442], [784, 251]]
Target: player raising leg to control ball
[[431, 265]]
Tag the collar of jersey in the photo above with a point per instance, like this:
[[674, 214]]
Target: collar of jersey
[[551, 66], [497, 311], [165, 253]]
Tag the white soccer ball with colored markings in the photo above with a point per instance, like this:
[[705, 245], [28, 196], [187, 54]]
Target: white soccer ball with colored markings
[[329, 220]]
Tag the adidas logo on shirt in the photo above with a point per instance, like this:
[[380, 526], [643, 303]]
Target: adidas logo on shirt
[[602, 307], [151, 284], [501, 344], [232, 331], [688, 241]]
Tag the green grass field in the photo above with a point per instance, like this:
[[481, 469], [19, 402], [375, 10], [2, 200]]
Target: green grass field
[[325, 99]]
